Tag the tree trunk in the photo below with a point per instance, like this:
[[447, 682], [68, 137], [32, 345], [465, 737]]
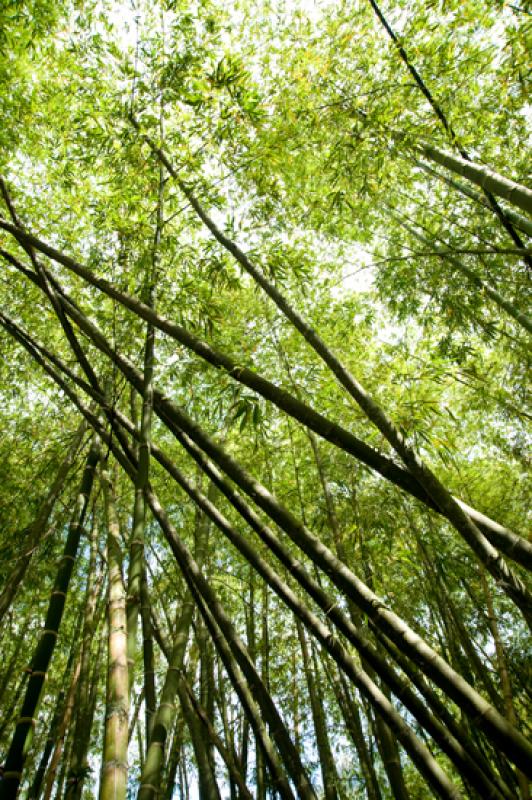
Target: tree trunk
[[113, 782]]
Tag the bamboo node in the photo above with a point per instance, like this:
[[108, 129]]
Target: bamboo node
[[115, 763]]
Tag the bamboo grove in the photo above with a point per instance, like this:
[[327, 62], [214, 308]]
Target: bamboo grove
[[265, 338]]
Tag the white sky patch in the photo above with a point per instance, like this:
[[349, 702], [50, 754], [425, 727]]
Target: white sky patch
[[357, 273]]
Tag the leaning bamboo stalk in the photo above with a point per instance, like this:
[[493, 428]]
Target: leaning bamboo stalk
[[329, 607], [450, 746], [515, 218], [419, 753], [483, 176]]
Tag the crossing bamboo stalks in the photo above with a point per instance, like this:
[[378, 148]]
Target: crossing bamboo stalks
[[451, 746], [506, 737], [488, 555], [513, 545], [237, 655], [495, 187]]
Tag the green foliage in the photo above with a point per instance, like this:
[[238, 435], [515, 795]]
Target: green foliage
[[297, 130]]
